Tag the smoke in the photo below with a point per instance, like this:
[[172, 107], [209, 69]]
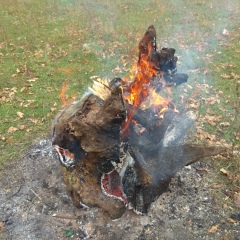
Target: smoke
[[197, 27]]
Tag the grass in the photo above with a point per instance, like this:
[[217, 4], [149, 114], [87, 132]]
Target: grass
[[46, 44]]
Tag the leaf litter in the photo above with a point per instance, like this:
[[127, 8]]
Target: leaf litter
[[35, 205]]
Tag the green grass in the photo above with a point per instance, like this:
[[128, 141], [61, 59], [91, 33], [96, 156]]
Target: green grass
[[46, 43]]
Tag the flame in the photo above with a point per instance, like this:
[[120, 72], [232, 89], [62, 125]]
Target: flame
[[138, 89], [62, 95], [139, 94], [159, 104], [65, 152]]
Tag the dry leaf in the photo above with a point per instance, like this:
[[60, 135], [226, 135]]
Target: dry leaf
[[229, 176], [23, 89], [20, 114], [225, 76], [205, 135], [194, 105], [225, 32], [231, 220], [236, 198], [1, 225], [217, 185], [9, 139], [225, 124], [35, 121], [21, 127], [12, 129], [92, 77], [49, 89], [117, 70], [213, 229], [203, 170], [32, 80], [212, 100]]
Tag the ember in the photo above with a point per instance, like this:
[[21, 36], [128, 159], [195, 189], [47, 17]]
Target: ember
[[120, 147]]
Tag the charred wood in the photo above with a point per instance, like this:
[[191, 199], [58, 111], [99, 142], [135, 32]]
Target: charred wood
[[105, 168]]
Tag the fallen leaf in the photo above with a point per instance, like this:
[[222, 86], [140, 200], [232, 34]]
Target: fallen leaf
[[225, 32], [204, 135], [9, 139], [117, 70], [194, 105], [223, 171], [35, 121], [212, 100], [12, 129], [225, 124], [203, 170], [1, 225], [32, 80], [49, 89], [236, 199], [23, 89], [229, 176], [92, 77], [236, 180], [64, 70], [20, 114], [213, 229], [225, 76], [231, 220], [21, 127]]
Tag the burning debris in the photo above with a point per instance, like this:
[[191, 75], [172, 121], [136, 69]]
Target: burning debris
[[120, 146]]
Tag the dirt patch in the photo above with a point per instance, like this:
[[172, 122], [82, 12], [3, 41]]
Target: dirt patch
[[35, 205]]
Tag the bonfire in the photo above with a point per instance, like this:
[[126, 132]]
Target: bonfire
[[120, 145]]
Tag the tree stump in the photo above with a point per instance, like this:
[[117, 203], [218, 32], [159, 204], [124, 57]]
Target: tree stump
[[115, 154]]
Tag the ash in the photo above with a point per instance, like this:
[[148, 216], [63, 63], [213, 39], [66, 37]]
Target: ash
[[35, 205]]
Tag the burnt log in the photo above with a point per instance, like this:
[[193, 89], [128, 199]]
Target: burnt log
[[158, 154], [86, 136], [117, 155], [100, 170], [164, 61]]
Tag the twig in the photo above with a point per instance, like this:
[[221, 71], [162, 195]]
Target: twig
[[64, 216], [103, 84], [36, 194]]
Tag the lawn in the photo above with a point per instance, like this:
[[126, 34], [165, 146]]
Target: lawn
[[51, 50]]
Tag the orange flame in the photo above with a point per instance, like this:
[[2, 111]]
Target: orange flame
[[62, 95], [139, 91], [160, 104], [65, 152], [139, 87]]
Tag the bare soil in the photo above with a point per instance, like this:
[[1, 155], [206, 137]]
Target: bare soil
[[35, 205]]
